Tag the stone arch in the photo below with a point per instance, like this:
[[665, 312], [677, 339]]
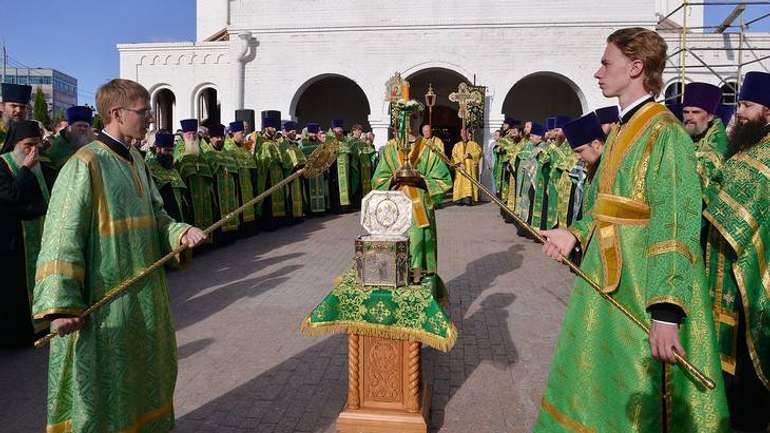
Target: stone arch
[[142, 60], [220, 59], [167, 59], [542, 94], [206, 103], [207, 59], [181, 60], [328, 96], [163, 101], [155, 60]]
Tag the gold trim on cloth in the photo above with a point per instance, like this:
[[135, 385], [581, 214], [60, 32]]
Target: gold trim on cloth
[[69, 311], [148, 417], [444, 344], [616, 209], [667, 300], [755, 164], [114, 227], [60, 267], [627, 135], [418, 207], [671, 246], [749, 340], [563, 419], [609, 212]]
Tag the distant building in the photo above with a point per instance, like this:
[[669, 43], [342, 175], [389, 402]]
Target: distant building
[[60, 89]]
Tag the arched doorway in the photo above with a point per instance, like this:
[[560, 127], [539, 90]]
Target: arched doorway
[[329, 97], [208, 106], [541, 95], [163, 102], [446, 124]]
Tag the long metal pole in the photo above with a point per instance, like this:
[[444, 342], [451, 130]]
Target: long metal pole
[[683, 46], [689, 368]]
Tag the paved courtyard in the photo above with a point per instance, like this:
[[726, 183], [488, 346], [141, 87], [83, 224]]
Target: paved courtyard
[[245, 367]]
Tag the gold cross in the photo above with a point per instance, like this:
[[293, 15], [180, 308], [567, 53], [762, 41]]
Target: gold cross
[[465, 97]]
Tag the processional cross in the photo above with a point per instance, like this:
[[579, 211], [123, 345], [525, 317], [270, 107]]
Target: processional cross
[[465, 97]]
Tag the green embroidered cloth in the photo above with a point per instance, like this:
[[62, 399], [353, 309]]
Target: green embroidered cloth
[[412, 313]]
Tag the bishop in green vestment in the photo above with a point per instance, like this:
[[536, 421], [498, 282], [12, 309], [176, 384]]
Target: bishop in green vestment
[[737, 257], [423, 243], [107, 223], [642, 246]]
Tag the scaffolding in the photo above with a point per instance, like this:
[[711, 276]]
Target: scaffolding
[[688, 48]]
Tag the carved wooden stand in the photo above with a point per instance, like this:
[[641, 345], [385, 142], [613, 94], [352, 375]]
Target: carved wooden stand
[[385, 393]]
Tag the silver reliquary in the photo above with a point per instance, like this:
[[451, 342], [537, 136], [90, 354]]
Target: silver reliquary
[[382, 256]]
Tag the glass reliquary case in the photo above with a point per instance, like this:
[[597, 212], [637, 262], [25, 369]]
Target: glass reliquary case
[[382, 255]]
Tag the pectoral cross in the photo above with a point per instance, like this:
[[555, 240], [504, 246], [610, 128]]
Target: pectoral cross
[[465, 97]]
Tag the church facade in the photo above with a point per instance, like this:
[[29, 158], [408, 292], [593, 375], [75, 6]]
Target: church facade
[[315, 60]]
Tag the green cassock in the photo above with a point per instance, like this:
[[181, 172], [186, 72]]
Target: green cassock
[[501, 156], [710, 151], [316, 186], [246, 165], [366, 154], [294, 159], [738, 212], [423, 243], [106, 223], [225, 169], [643, 248], [272, 165]]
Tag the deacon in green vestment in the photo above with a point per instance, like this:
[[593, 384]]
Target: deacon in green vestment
[[167, 179], [365, 154], [503, 150], [699, 111], [225, 170], [294, 160], [198, 177], [77, 134], [247, 166], [23, 202], [561, 184], [642, 247], [106, 223], [272, 164], [315, 187], [423, 242], [738, 258]]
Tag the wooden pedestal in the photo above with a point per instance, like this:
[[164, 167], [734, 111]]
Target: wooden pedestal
[[385, 392]]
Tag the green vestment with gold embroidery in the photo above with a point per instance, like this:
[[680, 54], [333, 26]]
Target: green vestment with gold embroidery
[[526, 174], [163, 177], [501, 156], [642, 246], [272, 163], [545, 151], [60, 151], [106, 223], [423, 243], [316, 186], [710, 151], [563, 161], [738, 211], [197, 175], [225, 169], [246, 165], [294, 159]]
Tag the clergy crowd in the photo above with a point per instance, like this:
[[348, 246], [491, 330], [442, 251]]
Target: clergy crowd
[[665, 207]]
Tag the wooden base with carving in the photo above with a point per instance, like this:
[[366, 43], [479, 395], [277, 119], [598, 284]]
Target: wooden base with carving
[[385, 392]]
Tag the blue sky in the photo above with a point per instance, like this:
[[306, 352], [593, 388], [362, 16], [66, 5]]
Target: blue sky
[[79, 37]]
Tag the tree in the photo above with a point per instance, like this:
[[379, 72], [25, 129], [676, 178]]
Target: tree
[[97, 123], [40, 108]]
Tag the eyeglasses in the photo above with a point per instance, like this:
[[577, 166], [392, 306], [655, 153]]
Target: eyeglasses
[[144, 112]]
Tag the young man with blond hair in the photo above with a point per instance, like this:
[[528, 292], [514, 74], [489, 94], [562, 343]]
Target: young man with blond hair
[[116, 370], [642, 246]]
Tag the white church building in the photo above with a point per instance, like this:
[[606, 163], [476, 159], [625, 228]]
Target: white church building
[[315, 60]]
